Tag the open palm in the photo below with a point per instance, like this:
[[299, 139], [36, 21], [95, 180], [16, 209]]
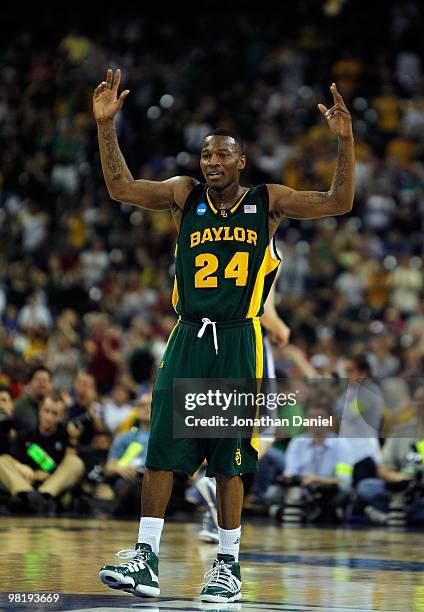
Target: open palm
[[106, 103]]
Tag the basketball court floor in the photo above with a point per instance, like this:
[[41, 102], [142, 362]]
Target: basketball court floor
[[291, 568]]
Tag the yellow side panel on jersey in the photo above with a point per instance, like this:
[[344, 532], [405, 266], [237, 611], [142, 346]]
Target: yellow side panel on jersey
[[175, 294], [175, 288], [269, 263]]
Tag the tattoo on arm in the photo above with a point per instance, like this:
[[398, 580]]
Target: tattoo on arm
[[340, 173], [113, 155]]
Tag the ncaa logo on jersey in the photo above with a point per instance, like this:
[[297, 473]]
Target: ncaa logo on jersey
[[201, 208]]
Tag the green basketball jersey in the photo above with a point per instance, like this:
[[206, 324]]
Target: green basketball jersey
[[225, 263]]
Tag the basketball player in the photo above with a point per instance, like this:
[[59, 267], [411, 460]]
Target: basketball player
[[225, 264]]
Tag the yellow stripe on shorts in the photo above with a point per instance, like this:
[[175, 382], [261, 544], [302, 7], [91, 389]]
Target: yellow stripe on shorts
[[259, 371]]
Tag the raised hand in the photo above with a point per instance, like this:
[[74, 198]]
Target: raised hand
[[338, 116], [106, 103]]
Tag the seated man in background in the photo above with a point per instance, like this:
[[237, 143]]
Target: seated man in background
[[401, 473], [86, 421], [127, 458], [6, 419], [43, 463], [317, 474], [39, 386]]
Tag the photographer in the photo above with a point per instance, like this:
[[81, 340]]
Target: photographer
[[43, 464], [84, 410], [400, 475], [318, 473]]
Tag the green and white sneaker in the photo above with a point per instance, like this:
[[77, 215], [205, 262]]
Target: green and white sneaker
[[138, 576], [223, 581]]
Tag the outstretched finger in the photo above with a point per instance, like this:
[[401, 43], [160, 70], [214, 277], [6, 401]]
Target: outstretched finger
[[323, 109], [337, 97], [109, 77], [116, 80], [122, 97]]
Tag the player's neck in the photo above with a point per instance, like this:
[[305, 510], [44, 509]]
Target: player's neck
[[225, 198]]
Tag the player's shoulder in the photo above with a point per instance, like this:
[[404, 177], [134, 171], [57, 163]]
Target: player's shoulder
[[260, 190], [182, 186], [277, 190]]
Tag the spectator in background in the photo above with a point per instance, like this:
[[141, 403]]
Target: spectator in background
[[95, 262], [102, 352], [318, 472], [34, 315], [360, 412], [43, 464], [117, 408], [360, 408], [350, 284], [401, 471], [127, 457], [406, 282], [85, 409], [6, 418], [382, 362], [39, 386], [86, 423], [380, 209], [63, 361], [34, 226]]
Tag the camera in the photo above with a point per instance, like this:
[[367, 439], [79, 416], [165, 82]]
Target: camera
[[82, 420]]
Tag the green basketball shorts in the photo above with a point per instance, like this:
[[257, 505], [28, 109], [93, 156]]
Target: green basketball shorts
[[240, 355]]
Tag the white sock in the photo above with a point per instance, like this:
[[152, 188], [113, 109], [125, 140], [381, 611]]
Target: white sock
[[150, 531], [229, 541]]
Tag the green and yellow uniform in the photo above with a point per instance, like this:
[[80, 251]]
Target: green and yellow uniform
[[225, 266]]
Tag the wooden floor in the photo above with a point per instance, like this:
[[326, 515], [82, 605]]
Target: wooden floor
[[282, 568]]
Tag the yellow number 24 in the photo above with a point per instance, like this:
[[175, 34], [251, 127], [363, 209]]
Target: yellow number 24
[[237, 267]]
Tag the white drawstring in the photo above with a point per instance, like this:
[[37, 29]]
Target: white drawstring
[[201, 331]]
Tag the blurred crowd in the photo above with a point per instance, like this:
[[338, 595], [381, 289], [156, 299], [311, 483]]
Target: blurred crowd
[[85, 283]]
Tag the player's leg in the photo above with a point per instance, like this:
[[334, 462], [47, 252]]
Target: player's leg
[[227, 460], [229, 493], [156, 492], [140, 575], [165, 454], [206, 487]]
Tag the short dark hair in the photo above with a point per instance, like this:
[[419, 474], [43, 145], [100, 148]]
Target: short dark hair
[[361, 363], [6, 389], [54, 396], [230, 134], [38, 368]]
